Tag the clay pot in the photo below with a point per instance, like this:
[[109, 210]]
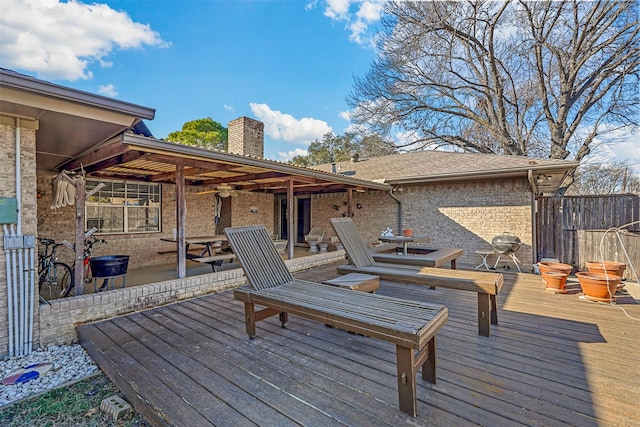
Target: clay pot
[[407, 232], [598, 286], [611, 267], [555, 281], [557, 267]]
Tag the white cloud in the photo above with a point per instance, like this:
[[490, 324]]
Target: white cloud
[[346, 115], [337, 9], [285, 156], [228, 107], [285, 127], [108, 90], [60, 40], [366, 12]]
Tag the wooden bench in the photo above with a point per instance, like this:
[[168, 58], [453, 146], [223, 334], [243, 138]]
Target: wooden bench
[[215, 260], [412, 326], [434, 258], [486, 285]]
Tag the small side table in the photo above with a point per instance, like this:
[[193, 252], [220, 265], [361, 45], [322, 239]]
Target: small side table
[[485, 255], [356, 281]]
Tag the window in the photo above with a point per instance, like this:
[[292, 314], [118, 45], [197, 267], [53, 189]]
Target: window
[[123, 207]]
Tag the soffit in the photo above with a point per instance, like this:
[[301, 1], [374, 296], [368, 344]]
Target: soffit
[[139, 158]]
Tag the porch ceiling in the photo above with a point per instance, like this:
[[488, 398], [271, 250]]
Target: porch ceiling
[[134, 157]]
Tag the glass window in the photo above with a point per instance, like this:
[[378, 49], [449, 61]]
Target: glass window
[[123, 207]]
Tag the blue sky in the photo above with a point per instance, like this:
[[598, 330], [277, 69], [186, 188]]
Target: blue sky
[[287, 63]]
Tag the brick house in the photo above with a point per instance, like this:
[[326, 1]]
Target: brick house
[[459, 200], [46, 128]]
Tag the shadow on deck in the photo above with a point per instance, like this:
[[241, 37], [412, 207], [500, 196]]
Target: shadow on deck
[[552, 360]]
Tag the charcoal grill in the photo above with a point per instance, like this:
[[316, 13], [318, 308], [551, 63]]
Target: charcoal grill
[[507, 244]]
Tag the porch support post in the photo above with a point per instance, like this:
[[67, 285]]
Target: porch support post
[[290, 222], [78, 273], [181, 216], [349, 202]]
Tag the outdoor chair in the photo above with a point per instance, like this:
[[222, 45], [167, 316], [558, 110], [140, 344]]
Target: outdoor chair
[[314, 238], [486, 284], [410, 325]]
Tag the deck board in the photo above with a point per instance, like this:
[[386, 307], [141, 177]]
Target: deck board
[[551, 360]]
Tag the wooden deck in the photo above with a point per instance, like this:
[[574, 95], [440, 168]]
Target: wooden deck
[[552, 360]]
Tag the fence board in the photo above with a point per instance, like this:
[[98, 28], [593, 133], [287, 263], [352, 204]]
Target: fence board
[[571, 228]]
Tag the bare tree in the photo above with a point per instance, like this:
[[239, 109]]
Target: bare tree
[[615, 178], [523, 78]]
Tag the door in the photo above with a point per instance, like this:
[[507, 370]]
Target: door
[[301, 217]]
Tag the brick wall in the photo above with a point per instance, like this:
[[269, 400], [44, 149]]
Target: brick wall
[[28, 203], [465, 215], [59, 319]]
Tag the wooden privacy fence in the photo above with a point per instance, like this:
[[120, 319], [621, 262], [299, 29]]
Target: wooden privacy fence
[[578, 229]]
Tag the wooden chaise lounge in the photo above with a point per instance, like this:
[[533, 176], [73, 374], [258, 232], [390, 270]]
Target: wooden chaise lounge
[[411, 326], [486, 284]]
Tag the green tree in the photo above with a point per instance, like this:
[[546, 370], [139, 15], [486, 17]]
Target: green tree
[[540, 78], [331, 148], [340, 148], [203, 133]]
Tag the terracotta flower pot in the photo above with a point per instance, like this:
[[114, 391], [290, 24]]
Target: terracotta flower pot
[[555, 281], [611, 267], [557, 267], [407, 232], [598, 286]]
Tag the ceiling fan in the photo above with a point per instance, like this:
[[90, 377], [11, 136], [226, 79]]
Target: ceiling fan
[[223, 190]]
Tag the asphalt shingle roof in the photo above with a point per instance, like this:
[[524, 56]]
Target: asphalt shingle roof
[[425, 164]]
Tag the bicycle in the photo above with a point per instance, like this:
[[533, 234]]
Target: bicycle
[[54, 276], [90, 243]]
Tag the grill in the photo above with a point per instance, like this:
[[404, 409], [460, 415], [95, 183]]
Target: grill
[[507, 244]]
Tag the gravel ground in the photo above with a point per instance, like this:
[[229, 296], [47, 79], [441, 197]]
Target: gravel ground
[[70, 364]]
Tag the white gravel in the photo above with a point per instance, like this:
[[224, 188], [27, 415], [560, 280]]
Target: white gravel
[[70, 363]]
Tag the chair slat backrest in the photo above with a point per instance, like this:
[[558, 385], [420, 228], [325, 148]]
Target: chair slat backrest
[[258, 256], [353, 243]]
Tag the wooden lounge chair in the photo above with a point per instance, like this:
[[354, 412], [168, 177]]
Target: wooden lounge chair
[[411, 326], [486, 284]]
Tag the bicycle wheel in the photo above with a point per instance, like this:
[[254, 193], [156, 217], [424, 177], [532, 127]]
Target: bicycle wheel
[[65, 278], [55, 281]]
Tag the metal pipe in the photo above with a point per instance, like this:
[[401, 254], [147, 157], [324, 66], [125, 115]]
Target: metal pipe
[[7, 260], [16, 297], [22, 301], [32, 294], [18, 176], [400, 212]]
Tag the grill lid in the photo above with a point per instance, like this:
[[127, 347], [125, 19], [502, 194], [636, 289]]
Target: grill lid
[[506, 243]]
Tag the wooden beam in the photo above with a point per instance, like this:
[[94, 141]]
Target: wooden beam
[[290, 222], [181, 217], [97, 156]]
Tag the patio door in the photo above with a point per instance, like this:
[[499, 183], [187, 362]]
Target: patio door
[[301, 216]]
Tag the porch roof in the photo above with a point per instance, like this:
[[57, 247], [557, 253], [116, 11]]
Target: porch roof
[[141, 158]]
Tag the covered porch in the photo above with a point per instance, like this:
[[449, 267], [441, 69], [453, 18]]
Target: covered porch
[[553, 360]]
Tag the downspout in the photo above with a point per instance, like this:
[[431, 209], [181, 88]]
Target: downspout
[[400, 211]]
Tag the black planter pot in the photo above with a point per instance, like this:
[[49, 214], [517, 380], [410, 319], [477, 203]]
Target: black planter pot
[[110, 265]]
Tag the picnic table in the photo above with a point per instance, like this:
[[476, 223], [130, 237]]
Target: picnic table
[[210, 245], [404, 240]]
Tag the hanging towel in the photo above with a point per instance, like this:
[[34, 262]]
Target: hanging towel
[[63, 191]]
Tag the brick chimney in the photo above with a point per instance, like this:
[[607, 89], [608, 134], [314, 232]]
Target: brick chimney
[[246, 136]]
